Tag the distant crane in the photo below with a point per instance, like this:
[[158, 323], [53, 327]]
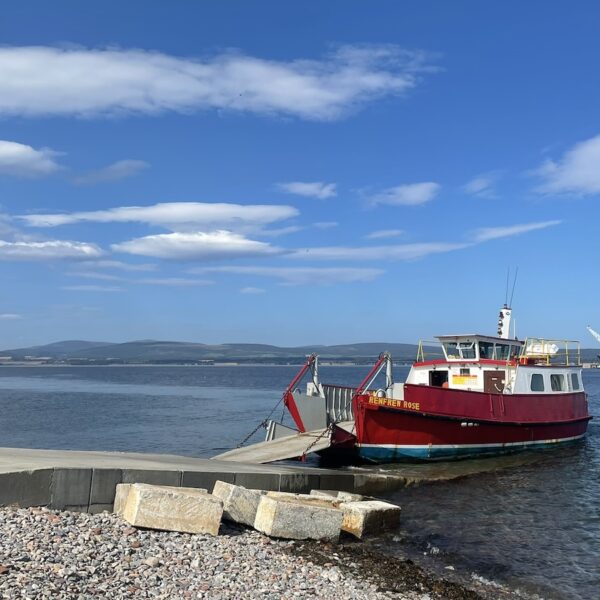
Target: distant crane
[[596, 336]]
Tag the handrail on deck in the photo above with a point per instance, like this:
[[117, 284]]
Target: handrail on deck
[[543, 349]]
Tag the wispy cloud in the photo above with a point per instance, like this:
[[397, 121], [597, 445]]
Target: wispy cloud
[[175, 282], [115, 172], [42, 80], [47, 251], [216, 245], [91, 288], [252, 290], [301, 275], [178, 216], [120, 266], [10, 317], [411, 194], [314, 189], [384, 233], [94, 275], [21, 160], [397, 252], [493, 233], [577, 172], [482, 186]]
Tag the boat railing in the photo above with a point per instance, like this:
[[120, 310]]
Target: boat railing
[[551, 352], [339, 402]]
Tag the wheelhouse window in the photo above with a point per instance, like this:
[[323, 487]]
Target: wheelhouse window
[[486, 350], [557, 382], [537, 382], [502, 351], [451, 349], [575, 381], [467, 349]]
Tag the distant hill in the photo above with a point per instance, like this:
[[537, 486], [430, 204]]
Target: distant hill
[[167, 351], [155, 351]]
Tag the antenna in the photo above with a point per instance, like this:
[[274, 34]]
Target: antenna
[[513, 287], [506, 288]]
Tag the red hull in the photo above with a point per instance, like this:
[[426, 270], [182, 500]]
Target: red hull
[[436, 422]]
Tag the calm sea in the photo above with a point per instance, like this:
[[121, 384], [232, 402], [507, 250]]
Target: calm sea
[[531, 524]]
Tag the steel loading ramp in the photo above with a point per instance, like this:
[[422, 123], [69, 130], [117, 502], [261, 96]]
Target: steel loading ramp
[[281, 448]]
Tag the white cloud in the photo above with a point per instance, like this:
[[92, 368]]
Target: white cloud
[[91, 288], [492, 233], [120, 266], [93, 275], [411, 194], [392, 253], [301, 275], [10, 317], [314, 189], [178, 216], [175, 282], [216, 245], [252, 290], [384, 233], [577, 172], [42, 80], [21, 160], [326, 224], [115, 172], [482, 185], [47, 250]]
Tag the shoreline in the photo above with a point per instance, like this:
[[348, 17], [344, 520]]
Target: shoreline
[[47, 553]]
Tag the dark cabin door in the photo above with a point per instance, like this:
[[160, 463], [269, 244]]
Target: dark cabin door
[[493, 381]]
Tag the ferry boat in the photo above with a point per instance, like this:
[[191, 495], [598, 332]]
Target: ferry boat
[[480, 395]]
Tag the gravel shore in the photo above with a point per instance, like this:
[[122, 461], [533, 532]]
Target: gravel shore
[[45, 554]]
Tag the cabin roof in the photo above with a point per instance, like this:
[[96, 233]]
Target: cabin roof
[[477, 337]]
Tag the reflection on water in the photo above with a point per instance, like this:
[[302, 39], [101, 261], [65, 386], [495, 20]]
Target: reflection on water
[[530, 520]]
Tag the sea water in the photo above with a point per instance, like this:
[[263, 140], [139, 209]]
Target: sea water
[[531, 522]]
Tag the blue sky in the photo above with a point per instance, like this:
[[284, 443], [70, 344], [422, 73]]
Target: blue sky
[[296, 173]]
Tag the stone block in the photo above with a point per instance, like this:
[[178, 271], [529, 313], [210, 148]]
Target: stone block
[[371, 517], [186, 510], [121, 493], [26, 488], [70, 489], [343, 496], [308, 499], [291, 520], [239, 504]]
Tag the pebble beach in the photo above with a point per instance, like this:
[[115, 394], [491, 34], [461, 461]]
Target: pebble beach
[[50, 554]]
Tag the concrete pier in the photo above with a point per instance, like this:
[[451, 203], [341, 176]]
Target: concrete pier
[[86, 481]]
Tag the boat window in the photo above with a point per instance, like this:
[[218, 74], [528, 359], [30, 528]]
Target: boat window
[[515, 351], [467, 349], [486, 350], [574, 381], [537, 382], [451, 349], [557, 382], [465, 372], [502, 351]]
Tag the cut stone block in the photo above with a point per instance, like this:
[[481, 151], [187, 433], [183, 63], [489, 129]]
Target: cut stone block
[[167, 508], [343, 496], [121, 493], [370, 517], [239, 503], [308, 499], [279, 517]]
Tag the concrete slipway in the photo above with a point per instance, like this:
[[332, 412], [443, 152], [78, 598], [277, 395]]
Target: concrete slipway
[[86, 481]]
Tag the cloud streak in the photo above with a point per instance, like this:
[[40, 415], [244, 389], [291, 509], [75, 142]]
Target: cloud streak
[[314, 189], [48, 250], [301, 275], [411, 194], [114, 172], [177, 216], [20, 160], [486, 234], [216, 245], [42, 80]]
